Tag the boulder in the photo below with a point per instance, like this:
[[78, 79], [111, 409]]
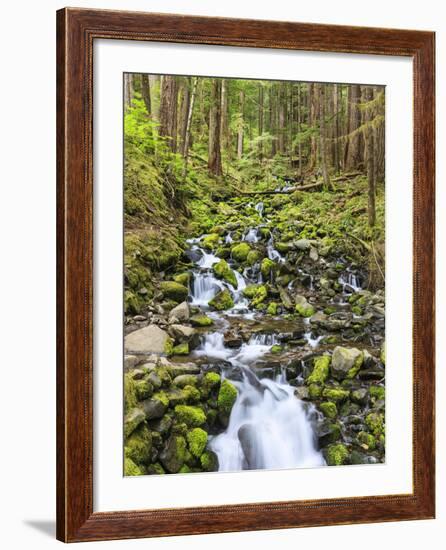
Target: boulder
[[186, 380], [180, 312], [132, 420], [346, 362], [174, 454], [201, 320], [240, 252], [174, 291], [222, 300], [155, 407], [302, 244], [223, 271], [184, 334], [151, 339], [130, 362], [286, 299]]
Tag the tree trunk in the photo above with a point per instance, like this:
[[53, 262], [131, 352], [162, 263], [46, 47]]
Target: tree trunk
[[323, 141], [314, 115], [261, 121], [168, 110], [241, 124], [189, 126], [299, 129], [370, 157], [128, 89], [145, 92], [224, 130], [184, 111], [354, 145], [214, 158]]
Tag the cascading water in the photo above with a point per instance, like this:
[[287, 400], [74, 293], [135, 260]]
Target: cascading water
[[259, 209], [350, 282], [269, 427]]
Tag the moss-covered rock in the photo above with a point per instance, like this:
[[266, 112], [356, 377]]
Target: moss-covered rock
[[191, 394], [377, 392], [139, 445], [260, 296], [182, 278], [320, 371], [346, 362], [383, 353], [253, 257], [276, 348], [375, 421], [130, 468], [174, 291], [191, 416], [303, 308], [221, 301], [209, 461], [201, 320], [197, 440], [181, 349], [315, 391], [329, 409], [143, 389], [226, 399], [336, 454], [272, 308], [366, 441], [240, 252], [130, 399], [224, 272], [132, 420], [211, 241], [250, 291], [267, 268], [335, 394], [155, 469]]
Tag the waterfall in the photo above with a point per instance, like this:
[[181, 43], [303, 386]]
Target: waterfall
[[204, 287], [259, 209], [350, 282], [252, 235]]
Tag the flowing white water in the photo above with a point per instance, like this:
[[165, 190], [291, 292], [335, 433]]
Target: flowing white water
[[251, 236], [269, 427], [350, 282], [259, 209]]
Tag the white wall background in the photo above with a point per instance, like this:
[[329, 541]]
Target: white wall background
[[27, 215]]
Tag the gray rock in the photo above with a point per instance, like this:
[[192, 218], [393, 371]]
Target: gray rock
[[249, 439], [180, 312], [360, 396], [182, 368], [314, 254], [130, 362], [183, 333], [285, 297], [328, 432], [161, 425], [154, 379], [302, 244], [302, 392], [346, 362], [151, 339], [153, 408], [171, 456]]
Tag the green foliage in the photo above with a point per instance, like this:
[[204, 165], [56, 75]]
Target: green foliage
[[191, 416], [197, 440]]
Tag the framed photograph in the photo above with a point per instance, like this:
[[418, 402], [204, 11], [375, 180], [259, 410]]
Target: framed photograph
[[245, 275]]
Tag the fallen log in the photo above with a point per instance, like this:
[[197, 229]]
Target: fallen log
[[286, 191]]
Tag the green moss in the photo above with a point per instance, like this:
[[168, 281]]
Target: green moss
[[357, 310], [174, 291], [222, 300], [139, 445], [201, 320], [226, 398], [211, 241], [253, 257], [143, 389], [375, 421], [191, 416], [335, 394], [329, 409], [303, 308], [320, 370], [209, 461], [356, 366], [377, 392], [132, 420], [366, 441], [168, 346], [272, 308], [211, 379], [197, 440], [182, 278], [130, 468], [260, 296], [267, 267], [155, 469], [130, 399], [251, 290], [329, 310], [383, 353], [336, 454], [161, 396], [276, 348], [191, 394], [181, 349], [184, 469], [240, 252], [132, 303], [314, 391], [224, 272]]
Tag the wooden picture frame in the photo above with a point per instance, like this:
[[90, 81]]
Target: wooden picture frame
[[76, 31]]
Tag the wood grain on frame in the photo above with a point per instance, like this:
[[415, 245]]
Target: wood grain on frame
[[76, 31]]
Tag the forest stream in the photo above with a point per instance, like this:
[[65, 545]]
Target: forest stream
[[288, 337]]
